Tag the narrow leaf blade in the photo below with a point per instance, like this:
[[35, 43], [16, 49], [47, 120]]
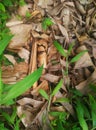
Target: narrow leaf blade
[[21, 86], [44, 94], [60, 49], [78, 56], [56, 89], [4, 43]]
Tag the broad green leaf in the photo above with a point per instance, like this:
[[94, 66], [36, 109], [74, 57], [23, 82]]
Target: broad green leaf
[[80, 115], [2, 8], [21, 86], [78, 56], [60, 49], [44, 94], [56, 89], [4, 43]]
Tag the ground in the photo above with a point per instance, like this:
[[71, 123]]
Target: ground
[[61, 36]]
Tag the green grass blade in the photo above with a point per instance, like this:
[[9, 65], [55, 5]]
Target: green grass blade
[[60, 49], [21, 86], [56, 89], [93, 109], [44, 94], [80, 115], [4, 43], [78, 56]]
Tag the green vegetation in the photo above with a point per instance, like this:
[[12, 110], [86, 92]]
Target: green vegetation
[[47, 22], [84, 105], [8, 93]]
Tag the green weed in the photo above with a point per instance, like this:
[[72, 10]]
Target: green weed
[[47, 22]]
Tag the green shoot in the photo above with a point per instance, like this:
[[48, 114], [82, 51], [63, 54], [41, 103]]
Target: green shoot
[[47, 22], [44, 94], [56, 89], [60, 49], [78, 56]]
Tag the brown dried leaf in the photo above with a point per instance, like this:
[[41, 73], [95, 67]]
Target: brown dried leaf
[[64, 32], [25, 100], [44, 3], [43, 85], [51, 78], [84, 86], [55, 10], [21, 34], [80, 7], [24, 54], [94, 52], [85, 60], [10, 58], [33, 61]]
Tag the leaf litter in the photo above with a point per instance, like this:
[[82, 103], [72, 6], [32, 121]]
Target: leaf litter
[[73, 21]]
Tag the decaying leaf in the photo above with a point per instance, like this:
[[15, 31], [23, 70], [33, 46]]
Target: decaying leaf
[[10, 58], [24, 54], [84, 86], [43, 85], [51, 78], [64, 32], [21, 34], [12, 74], [85, 60]]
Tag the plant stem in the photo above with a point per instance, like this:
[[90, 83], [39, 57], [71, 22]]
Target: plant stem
[[67, 72], [0, 82], [49, 103]]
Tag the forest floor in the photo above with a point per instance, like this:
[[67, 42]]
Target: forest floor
[[61, 36]]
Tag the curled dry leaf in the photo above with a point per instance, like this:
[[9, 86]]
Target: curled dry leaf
[[84, 86], [21, 34], [24, 54], [85, 60], [10, 58], [66, 17], [80, 7], [28, 107], [43, 85], [38, 118], [55, 10], [51, 78], [41, 36], [64, 32], [34, 103], [28, 116]]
